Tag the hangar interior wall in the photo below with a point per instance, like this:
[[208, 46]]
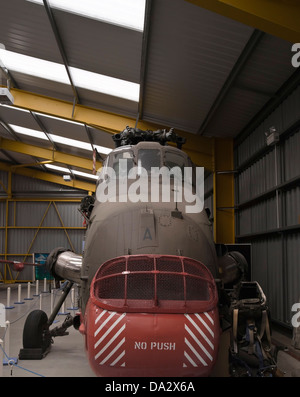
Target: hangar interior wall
[[267, 190], [38, 217]]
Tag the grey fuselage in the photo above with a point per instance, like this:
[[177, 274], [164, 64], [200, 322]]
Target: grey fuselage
[[122, 227]]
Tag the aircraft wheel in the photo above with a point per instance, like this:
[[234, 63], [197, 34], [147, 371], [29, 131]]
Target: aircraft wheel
[[34, 335]]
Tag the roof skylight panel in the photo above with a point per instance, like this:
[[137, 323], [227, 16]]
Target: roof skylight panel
[[126, 13], [59, 139], [82, 78]]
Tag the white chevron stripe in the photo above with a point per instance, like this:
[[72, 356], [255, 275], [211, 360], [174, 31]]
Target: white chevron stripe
[[205, 325], [118, 359], [113, 351], [195, 352], [199, 343], [190, 359], [199, 330], [210, 319], [103, 324], [100, 315], [109, 330], [110, 342]]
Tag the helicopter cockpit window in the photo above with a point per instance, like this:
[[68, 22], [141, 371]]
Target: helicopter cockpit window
[[172, 159], [122, 167], [148, 158]]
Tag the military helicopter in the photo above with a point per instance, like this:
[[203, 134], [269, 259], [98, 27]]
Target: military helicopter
[[156, 294]]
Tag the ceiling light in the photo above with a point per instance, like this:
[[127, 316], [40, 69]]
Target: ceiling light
[[59, 139], [67, 171], [81, 78], [126, 13]]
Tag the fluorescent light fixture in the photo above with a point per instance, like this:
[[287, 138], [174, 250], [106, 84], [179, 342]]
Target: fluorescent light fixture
[[126, 13], [81, 78], [67, 171], [59, 139]]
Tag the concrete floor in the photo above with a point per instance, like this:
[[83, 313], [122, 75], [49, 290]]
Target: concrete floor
[[67, 357]]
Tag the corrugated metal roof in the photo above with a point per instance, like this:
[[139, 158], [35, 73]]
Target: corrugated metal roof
[[190, 55]]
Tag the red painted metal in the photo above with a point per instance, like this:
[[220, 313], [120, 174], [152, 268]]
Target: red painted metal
[[152, 315]]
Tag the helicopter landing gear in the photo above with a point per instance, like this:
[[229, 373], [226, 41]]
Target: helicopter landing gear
[[37, 337]]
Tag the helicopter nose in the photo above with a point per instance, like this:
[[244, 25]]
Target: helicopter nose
[[152, 315]]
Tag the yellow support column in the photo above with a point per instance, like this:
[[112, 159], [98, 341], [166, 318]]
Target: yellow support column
[[224, 228]]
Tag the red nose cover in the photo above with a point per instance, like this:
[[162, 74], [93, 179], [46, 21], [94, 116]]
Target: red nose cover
[[152, 315]]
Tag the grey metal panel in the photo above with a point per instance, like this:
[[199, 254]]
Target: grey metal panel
[[108, 103], [245, 185], [19, 240], [2, 213], [291, 156], [275, 278], [293, 207], [46, 240], [245, 221], [101, 48], [102, 138], [41, 86], [197, 51], [22, 184], [239, 107], [69, 214], [25, 29], [260, 263], [259, 177], [28, 213], [291, 109], [293, 271], [2, 242], [281, 118], [269, 66], [4, 180], [63, 128]]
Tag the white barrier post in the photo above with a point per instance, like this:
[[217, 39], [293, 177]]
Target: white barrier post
[[8, 360], [62, 312], [19, 302], [45, 285], [51, 301], [36, 288], [41, 301], [1, 358], [28, 293], [8, 300], [73, 307]]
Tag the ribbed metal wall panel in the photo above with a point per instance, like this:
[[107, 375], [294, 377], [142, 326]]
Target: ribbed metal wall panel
[[275, 282], [38, 226], [263, 209], [2, 213], [291, 158], [293, 207], [293, 271], [259, 177]]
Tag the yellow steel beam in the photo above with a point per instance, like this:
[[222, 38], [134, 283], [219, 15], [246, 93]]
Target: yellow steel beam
[[224, 228], [277, 17], [199, 148], [45, 176], [48, 154]]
